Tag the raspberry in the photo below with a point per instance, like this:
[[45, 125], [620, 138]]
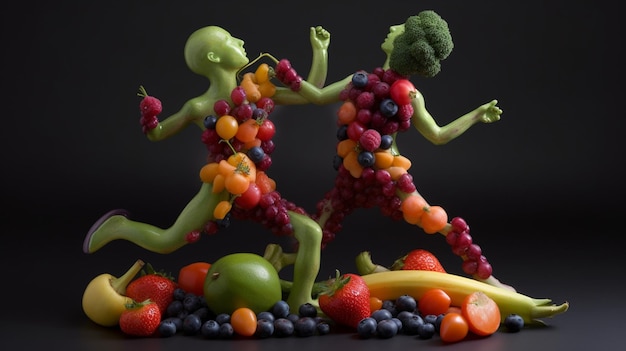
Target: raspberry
[[365, 100], [370, 140], [150, 106]]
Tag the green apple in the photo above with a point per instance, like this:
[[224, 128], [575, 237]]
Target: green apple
[[242, 280]]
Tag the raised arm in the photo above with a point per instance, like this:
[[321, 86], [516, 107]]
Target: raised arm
[[320, 40], [426, 125]]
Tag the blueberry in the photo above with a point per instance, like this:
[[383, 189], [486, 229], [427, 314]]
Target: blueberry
[[179, 294], [342, 132], [224, 222], [191, 324], [191, 302], [430, 318], [438, 322], [398, 323], [381, 314], [386, 141], [178, 322], [323, 328], [367, 328], [266, 315], [513, 323], [293, 317], [360, 79], [264, 328], [307, 310], [283, 327], [406, 303], [203, 312], [366, 159], [209, 122], [304, 327], [182, 314], [167, 328], [410, 326], [337, 162], [386, 329], [174, 308], [388, 107], [259, 113], [426, 330], [390, 305], [210, 329], [226, 331], [280, 309], [222, 318], [256, 154]]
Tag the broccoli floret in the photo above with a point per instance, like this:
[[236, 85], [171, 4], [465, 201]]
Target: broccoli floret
[[425, 42]]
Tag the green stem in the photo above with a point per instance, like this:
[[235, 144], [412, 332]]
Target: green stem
[[120, 284], [364, 264]]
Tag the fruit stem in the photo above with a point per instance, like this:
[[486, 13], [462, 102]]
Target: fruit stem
[[120, 284], [142, 91], [364, 264]]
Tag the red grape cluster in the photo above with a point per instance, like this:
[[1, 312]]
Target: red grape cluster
[[288, 75], [459, 238], [271, 212]]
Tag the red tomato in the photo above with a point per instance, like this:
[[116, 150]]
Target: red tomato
[[434, 301], [191, 277], [266, 130], [249, 198], [482, 313], [402, 91], [453, 328]]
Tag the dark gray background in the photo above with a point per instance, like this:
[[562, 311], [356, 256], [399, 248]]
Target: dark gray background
[[542, 189]]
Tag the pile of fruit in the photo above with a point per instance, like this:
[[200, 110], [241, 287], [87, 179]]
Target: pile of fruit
[[241, 296]]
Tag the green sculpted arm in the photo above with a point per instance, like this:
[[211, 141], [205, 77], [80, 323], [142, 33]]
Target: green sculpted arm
[[320, 40], [426, 125], [192, 112]]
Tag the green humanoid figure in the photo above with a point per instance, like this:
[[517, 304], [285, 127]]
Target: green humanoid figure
[[215, 54], [415, 47]]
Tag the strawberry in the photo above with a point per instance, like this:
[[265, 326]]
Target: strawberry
[[418, 259], [140, 318], [346, 299], [157, 286]]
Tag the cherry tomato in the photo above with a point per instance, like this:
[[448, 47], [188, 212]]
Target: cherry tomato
[[266, 131], [453, 328], [249, 198], [482, 313], [244, 321], [402, 91], [191, 277], [434, 301], [226, 127]]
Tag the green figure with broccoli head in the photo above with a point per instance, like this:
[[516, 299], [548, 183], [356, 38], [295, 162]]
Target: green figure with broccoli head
[[416, 47]]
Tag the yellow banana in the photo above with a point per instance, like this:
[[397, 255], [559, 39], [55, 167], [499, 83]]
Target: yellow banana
[[393, 284]]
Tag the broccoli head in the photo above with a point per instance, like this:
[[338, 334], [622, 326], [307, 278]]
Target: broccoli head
[[425, 42]]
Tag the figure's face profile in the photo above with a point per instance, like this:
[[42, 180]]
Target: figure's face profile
[[229, 49], [394, 31]]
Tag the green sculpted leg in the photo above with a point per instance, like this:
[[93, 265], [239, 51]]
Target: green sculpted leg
[[115, 225], [307, 262]]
